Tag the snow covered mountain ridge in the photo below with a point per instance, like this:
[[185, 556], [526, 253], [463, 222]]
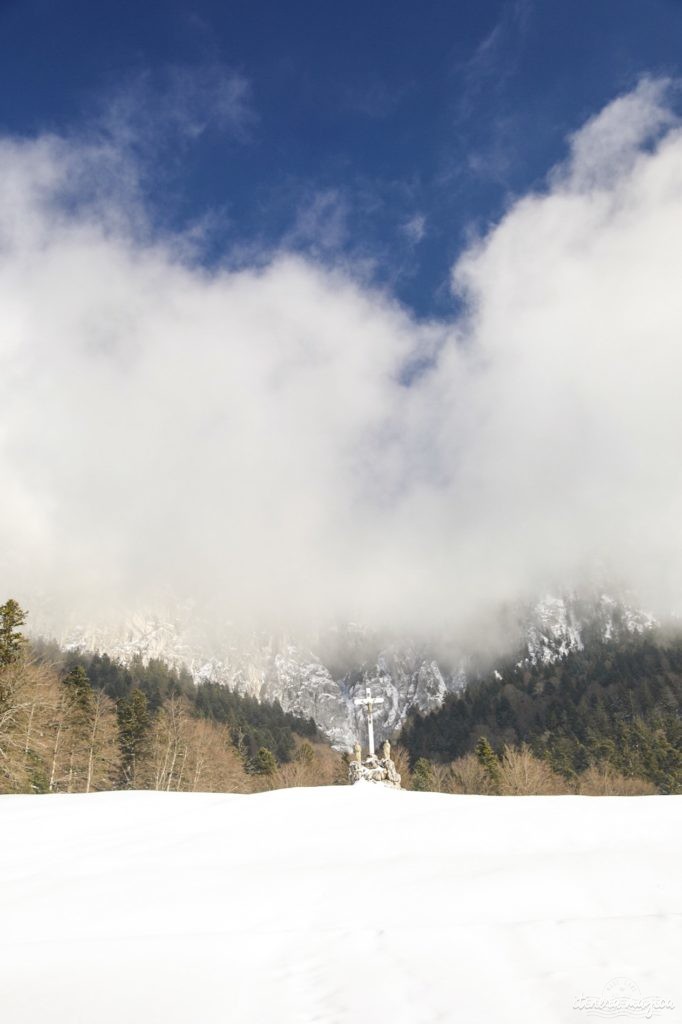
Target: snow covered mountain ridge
[[319, 678], [557, 626]]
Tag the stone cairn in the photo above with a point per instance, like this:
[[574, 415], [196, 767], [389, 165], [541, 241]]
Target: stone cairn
[[373, 768]]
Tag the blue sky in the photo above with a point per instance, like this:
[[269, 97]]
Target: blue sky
[[377, 134], [233, 367]]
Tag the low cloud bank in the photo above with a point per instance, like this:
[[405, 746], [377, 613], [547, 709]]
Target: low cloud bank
[[260, 441]]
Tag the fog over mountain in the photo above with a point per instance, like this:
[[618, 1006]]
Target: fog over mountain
[[283, 443]]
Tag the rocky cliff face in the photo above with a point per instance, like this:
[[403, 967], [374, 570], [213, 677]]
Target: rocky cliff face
[[320, 677], [558, 625]]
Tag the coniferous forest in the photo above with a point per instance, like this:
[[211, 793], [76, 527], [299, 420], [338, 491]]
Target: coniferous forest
[[613, 705]]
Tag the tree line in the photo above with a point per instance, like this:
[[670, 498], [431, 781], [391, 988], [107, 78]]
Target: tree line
[[614, 708], [73, 722]]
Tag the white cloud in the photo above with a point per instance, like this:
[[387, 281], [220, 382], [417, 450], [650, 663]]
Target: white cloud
[[321, 222], [608, 145], [246, 437], [178, 103], [415, 228]]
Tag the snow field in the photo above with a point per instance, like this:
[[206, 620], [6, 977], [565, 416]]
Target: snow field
[[335, 905]]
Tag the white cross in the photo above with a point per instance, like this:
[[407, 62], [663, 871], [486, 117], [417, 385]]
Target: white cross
[[368, 702]]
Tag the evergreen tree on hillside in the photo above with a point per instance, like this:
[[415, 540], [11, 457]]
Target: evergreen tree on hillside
[[134, 724], [12, 641], [422, 776], [78, 689], [264, 762], [490, 764]]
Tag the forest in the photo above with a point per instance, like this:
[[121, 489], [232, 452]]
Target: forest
[[74, 722], [612, 705]]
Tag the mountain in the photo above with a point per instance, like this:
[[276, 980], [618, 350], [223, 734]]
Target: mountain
[[316, 678], [319, 676], [556, 626]]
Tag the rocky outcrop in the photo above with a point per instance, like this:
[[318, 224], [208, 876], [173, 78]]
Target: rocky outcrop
[[381, 770], [556, 626]]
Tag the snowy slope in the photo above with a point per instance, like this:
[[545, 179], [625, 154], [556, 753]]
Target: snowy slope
[[336, 905]]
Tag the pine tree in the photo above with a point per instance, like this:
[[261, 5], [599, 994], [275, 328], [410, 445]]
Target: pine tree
[[12, 641], [489, 763], [73, 728], [134, 723], [264, 762], [79, 690], [422, 776]]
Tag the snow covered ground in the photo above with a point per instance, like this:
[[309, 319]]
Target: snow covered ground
[[338, 905]]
